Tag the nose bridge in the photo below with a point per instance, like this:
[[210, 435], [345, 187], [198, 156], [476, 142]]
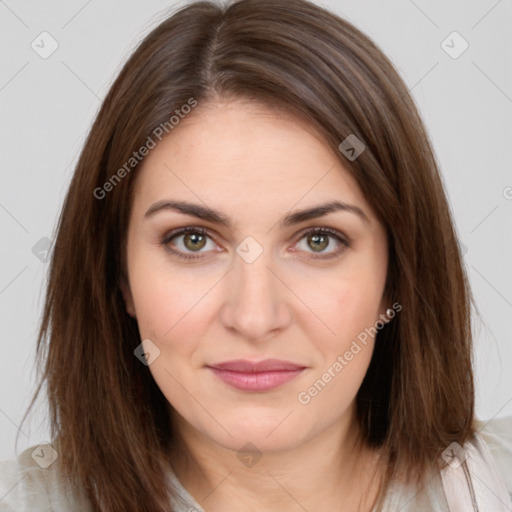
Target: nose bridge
[[254, 304]]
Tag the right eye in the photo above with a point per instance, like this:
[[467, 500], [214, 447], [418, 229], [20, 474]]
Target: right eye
[[185, 242]]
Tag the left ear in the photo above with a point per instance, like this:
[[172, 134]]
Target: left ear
[[127, 296], [383, 308]]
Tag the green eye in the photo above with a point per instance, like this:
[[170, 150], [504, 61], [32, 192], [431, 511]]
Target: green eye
[[320, 243], [194, 241], [187, 240], [317, 240]]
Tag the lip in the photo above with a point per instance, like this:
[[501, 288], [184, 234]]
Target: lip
[[256, 376], [267, 365]]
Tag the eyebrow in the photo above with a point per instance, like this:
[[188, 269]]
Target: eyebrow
[[216, 217]]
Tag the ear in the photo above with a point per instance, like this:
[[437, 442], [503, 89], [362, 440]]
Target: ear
[[127, 296]]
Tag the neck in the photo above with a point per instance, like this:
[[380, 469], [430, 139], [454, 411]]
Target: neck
[[336, 462]]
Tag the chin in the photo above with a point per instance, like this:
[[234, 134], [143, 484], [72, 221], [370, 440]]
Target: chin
[[266, 434]]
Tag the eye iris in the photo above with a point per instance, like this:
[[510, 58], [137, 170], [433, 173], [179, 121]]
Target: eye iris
[[194, 241], [319, 242]]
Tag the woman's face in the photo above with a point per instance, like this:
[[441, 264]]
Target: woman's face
[[252, 280]]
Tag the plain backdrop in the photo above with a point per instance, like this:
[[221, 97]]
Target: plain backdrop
[[48, 104]]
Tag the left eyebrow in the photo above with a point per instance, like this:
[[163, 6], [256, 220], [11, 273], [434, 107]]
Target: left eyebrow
[[216, 217], [321, 210]]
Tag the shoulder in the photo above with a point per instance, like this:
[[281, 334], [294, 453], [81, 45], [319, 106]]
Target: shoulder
[[31, 482], [497, 434]]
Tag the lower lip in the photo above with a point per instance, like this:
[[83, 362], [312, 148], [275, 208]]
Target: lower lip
[[256, 381]]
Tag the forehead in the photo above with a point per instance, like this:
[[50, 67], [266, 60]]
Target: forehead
[[244, 153]]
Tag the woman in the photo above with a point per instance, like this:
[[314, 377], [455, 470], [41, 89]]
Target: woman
[[256, 298]]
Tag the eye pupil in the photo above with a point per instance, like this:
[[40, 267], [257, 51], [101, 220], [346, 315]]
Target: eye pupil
[[320, 242], [194, 241]]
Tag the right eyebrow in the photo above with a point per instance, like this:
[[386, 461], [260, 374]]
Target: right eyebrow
[[196, 210]]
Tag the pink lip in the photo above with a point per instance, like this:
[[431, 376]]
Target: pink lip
[[259, 376]]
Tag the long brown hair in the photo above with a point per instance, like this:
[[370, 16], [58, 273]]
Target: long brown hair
[[108, 417]]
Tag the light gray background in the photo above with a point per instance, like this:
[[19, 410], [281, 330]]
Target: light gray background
[[47, 107]]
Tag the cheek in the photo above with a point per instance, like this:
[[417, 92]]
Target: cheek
[[345, 305], [169, 305]]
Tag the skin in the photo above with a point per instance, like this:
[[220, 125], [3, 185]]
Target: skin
[[256, 165]]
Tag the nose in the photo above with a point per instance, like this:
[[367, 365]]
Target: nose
[[255, 303]]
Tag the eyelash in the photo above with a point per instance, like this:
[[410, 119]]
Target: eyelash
[[202, 231]]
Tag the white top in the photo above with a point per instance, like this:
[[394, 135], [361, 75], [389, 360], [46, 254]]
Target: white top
[[26, 485]]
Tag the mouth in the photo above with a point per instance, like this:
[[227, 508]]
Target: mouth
[[256, 376]]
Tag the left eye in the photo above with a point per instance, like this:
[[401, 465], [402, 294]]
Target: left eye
[[319, 240]]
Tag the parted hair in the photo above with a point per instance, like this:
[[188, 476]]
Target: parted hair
[[109, 420]]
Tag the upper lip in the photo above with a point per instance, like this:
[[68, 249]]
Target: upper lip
[[267, 365]]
